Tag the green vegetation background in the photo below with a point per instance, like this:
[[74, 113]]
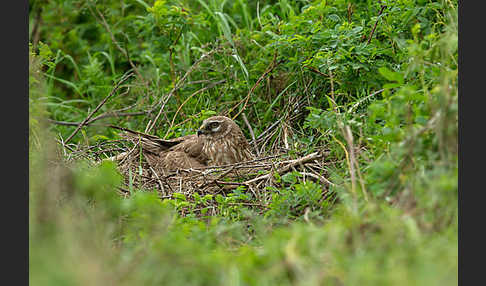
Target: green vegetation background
[[394, 225]]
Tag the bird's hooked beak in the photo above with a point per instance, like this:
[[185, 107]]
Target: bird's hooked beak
[[202, 130]]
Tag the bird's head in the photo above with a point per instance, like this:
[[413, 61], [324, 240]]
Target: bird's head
[[223, 141], [216, 126]]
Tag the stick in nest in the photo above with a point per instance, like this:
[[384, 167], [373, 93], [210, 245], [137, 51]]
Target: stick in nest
[[291, 163], [251, 133]]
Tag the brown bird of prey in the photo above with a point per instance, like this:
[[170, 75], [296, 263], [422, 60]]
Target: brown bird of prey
[[219, 141]]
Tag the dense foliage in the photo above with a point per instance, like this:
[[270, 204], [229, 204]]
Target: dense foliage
[[372, 82]]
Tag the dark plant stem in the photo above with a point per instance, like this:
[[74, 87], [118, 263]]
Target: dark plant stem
[[376, 23]]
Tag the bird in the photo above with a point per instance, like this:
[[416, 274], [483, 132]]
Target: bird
[[218, 141]]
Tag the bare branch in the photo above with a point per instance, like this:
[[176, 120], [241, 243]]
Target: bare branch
[[251, 133], [122, 80], [115, 42], [176, 87], [272, 66], [374, 27], [291, 163], [187, 99]]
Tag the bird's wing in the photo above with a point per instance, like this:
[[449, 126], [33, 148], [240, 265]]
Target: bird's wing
[[187, 153], [192, 146], [163, 155], [173, 160]]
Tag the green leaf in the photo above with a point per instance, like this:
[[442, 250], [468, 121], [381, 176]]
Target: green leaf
[[334, 18], [391, 75], [179, 196], [391, 85], [99, 137], [143, 4]]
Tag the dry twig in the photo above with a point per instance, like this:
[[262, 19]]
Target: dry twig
[[123, 79], [176, 87], [290, 163], [272, 66], [374, 27], [187, 99], [251, 133], [115, 42], [354, 163]]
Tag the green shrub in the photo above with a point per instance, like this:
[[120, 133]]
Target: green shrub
[[389, 216]]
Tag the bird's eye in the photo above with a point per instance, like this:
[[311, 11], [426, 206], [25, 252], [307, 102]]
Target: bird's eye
[[213, 125]]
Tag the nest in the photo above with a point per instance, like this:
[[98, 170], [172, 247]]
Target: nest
[[251, 177]]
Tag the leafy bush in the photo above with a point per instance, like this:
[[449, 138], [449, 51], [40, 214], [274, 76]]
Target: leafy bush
[[373, 83]]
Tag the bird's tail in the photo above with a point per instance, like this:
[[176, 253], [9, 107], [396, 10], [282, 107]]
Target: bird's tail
[[150, 143]]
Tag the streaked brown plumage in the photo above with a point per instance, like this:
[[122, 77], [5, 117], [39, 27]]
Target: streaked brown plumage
[[219, 141]]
